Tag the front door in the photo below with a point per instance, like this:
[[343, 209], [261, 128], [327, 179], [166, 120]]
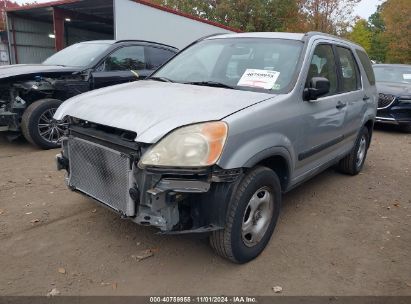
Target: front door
[[123, 65], [322, 121]]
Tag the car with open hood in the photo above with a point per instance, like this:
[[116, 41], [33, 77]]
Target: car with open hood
[[31, 93], [211, 140], [394, 90]]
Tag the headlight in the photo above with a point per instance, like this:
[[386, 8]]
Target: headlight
[[197, 145]]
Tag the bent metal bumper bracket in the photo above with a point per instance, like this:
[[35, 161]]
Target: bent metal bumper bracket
[[180, 185]]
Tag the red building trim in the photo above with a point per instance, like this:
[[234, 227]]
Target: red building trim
[[175, 12], [143, 2], [58, 22]]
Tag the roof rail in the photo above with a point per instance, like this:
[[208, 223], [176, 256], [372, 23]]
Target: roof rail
[[147, 41], [314, 33], [201, 39], [209, 36]]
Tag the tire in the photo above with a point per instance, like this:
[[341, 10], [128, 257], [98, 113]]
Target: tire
[[353, 163], [406, 129], [233, 242], [37, 121]]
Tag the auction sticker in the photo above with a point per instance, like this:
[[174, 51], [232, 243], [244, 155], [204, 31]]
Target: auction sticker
[[406, 76], [259, 79]]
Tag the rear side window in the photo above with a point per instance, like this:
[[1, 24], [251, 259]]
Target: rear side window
[[366, 63], [351, 80], [157, 56]]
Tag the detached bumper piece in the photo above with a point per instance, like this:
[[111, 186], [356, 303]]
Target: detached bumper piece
[[62, 162]]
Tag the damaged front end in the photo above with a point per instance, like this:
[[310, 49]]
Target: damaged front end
[[13, 102], [102, 162], [16, 94]]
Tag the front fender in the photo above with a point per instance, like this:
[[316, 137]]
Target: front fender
[[255, 149]]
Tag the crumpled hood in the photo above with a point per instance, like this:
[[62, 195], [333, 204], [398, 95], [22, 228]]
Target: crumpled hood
[[33, 69], [152, 108], [397, 89]]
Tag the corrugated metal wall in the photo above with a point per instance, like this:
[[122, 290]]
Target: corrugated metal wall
[[33, 43], [4, 54], [75, 35]]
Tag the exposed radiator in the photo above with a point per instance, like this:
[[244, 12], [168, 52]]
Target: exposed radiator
[[102, 173]]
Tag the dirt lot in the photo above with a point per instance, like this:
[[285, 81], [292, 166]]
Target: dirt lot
[[337, 235]]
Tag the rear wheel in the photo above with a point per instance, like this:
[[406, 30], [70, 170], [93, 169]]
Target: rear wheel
[[39, 127], [251, 217], [353, 163]]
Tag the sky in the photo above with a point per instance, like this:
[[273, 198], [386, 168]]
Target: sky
[[364, 9]]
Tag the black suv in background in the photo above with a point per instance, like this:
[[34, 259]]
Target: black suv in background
[[31, 94], [394, 88]]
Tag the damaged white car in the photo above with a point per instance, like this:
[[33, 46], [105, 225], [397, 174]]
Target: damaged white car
[[212, 139]]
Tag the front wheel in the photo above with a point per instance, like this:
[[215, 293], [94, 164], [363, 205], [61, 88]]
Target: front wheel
[[39, 127], [251, 217], [406, 128]]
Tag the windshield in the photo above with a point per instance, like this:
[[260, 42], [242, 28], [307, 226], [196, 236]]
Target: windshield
[[243, 63], [77, 55], [394, 74]]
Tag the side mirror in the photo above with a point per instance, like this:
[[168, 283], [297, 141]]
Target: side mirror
[[319, 86]]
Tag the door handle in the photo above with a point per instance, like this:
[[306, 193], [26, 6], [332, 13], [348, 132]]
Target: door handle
[[365, 98], [340, 105]]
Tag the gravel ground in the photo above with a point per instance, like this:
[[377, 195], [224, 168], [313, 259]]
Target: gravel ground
[[337, 235]]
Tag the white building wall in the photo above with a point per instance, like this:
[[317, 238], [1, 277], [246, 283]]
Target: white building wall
[[138, 21]]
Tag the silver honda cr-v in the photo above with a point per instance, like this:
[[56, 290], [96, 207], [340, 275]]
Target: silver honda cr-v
[[211, 140]]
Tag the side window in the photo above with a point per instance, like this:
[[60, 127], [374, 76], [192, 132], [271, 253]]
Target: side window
[[125, 59], [157, 56], [351, 80], [366, 63], [323, 65]]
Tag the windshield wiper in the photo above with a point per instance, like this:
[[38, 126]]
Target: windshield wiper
[[163, 79], [211, 84]]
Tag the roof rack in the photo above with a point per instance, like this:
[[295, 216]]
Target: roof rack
[[314, 33], [147, 41]]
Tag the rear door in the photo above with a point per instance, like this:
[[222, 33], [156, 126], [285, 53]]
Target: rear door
[[126, 64], [157, 56], [352, 92]]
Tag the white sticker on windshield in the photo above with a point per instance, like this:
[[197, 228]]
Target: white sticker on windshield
[[259, 79], [406, 76]]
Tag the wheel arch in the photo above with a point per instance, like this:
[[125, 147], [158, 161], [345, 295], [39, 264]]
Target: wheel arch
[[278, 160]]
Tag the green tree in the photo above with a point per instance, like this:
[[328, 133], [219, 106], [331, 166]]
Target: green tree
[[379, 44], [328, 16], [361, 34], [396, 15]]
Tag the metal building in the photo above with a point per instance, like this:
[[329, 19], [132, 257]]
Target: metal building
[[37, 31], [4, 51]]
